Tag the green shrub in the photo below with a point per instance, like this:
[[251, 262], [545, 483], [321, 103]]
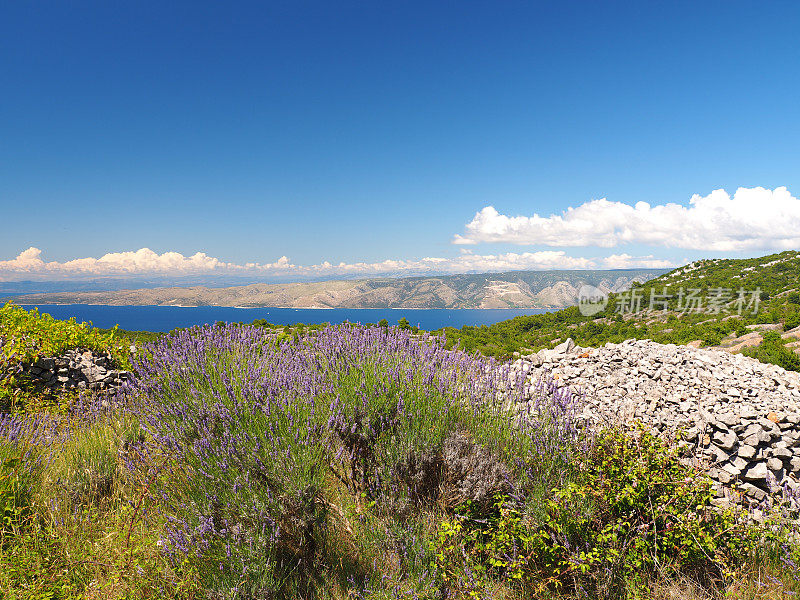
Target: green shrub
[[637, 511], [792, 321], [634, 514], [476, 548], [773, 351], [28, 334]]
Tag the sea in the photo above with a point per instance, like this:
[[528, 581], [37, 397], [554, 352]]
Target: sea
[[166, 318]]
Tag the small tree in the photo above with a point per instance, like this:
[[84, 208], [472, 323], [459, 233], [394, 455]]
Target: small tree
[[404, 324], [383, 323]]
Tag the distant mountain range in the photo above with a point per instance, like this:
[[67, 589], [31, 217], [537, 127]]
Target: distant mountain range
[[515, 289]]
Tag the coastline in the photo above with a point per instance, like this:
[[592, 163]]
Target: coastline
[[32, 304]]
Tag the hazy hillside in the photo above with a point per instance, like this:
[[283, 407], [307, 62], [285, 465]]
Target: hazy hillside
[[516, 289], [715, 302]]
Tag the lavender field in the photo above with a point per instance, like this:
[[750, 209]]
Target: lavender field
[[354, 463]]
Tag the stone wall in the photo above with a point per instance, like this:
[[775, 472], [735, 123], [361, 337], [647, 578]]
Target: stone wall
[[78, 369], [741, 417]]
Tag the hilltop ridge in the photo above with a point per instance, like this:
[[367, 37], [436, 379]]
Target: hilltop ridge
[[514, 289]]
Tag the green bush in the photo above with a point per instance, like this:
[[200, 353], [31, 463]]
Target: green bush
[[637, 511], [773, 351], [792, 321], [712, 338], [634, 514], [486, 545], [29, 334]]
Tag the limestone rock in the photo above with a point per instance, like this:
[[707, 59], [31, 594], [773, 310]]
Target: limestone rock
[[734, 411]]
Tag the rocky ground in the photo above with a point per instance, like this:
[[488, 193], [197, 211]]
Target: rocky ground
[[741, 417]]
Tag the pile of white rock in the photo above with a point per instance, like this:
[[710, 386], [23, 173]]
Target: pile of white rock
[[741, 416]]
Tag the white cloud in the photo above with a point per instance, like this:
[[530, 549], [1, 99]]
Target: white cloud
[[141, 262], [754, 218], [626, 261], [144, 262]]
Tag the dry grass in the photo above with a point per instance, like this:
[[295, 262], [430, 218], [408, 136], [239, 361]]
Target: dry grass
[[83, 538]]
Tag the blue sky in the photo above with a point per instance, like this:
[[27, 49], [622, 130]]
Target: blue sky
[[358, 133]]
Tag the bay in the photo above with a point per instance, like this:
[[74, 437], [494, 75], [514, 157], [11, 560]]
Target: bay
[[165, 318]]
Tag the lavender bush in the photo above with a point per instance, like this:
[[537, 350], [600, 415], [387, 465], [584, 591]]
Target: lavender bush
[[69, 458], [248, 434]]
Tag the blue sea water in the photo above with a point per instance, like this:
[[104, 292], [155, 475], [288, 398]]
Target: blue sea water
[[165, 318]]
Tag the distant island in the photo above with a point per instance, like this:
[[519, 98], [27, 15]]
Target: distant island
[[514, 289]]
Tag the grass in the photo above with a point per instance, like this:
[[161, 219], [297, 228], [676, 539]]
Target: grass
[[75, 532]]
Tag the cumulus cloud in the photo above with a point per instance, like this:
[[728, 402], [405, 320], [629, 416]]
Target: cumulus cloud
[[144, 262], [140, 262], [753, 218]]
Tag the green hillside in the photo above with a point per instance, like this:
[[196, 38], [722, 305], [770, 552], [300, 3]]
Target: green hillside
[[707, 300]]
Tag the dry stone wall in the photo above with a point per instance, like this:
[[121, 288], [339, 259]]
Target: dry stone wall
[[742, 417], [78, 369]]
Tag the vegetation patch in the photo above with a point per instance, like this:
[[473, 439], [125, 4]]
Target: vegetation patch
[[355, 463]]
